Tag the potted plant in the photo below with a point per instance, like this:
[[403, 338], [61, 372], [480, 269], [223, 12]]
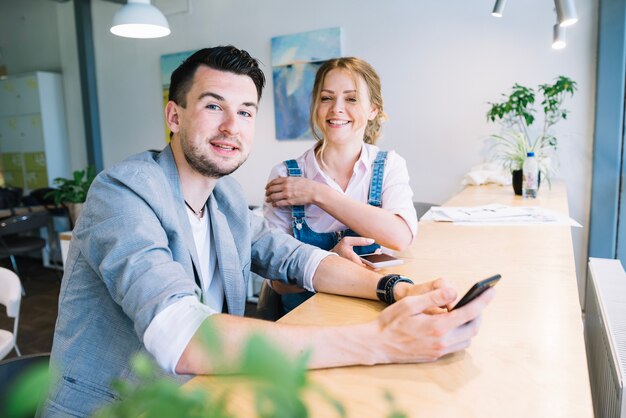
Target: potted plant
[[72, 192], [515, 113]]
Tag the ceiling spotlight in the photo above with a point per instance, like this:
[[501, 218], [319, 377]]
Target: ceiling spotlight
[[558, 37], [498, 8], [566, 12], [139, 19]]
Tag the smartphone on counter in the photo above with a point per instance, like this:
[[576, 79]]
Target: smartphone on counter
[[380, 260], [477, 290]]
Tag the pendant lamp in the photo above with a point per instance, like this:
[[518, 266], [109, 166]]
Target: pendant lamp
[[498, 8], [140, 19], [558, 37], [565, 12]]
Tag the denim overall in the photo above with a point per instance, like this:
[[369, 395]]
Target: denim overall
[[328, 240]]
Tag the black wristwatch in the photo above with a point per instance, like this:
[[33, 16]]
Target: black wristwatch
[[384, 290]]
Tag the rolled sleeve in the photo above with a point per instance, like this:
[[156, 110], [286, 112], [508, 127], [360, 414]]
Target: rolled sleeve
[[277, 255], [397, 192], [170, 331], [311, 267]]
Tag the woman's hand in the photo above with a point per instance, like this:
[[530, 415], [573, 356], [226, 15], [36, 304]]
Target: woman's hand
[[290, 191], [345, 248]]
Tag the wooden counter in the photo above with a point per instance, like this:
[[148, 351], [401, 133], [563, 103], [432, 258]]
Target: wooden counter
[[529, 357]]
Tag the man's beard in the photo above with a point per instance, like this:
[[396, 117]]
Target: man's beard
[[200, 162]]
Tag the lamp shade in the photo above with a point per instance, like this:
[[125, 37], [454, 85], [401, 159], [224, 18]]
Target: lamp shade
[[566, 12], [140, 19], [558, 38], [498, 8]]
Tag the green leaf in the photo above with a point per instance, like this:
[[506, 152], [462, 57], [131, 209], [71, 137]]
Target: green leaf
[[73, 190], [210, 338], [28, 392], [517, 111], [395, 412], [142, 366]]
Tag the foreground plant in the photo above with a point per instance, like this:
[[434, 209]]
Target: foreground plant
[[277, 384]]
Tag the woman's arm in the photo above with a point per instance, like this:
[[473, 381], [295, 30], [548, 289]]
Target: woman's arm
[[381, 224], [387, 228]]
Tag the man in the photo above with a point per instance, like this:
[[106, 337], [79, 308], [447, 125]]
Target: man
[[166, 240]]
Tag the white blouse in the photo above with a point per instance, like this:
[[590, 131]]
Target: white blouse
[[397, 196]]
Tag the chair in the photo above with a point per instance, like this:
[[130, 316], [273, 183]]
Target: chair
[[61, 221], [11, 370], [270, 305], [422, 207], [10, 296], [12, 244]]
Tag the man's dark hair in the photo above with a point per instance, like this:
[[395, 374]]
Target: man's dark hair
[[221, 58]]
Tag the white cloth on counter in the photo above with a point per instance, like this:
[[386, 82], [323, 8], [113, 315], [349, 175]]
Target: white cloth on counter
[[496, 214], [487, 173]]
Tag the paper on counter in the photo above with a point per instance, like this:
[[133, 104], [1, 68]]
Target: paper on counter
[[496, 214]]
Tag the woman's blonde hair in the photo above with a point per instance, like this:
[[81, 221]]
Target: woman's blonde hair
[[357, 68]]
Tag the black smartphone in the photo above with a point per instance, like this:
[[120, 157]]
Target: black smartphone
[[477, 290]]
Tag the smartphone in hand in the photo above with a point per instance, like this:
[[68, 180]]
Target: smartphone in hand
[[477, 290], [380, 260]]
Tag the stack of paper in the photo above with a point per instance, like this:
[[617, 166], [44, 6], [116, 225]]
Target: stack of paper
[[495, 214]]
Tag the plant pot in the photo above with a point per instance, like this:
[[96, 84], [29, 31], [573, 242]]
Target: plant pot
[[74, 209], [518, 179]]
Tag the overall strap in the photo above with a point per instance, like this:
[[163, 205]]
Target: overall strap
[[293, 170], [376, 185]]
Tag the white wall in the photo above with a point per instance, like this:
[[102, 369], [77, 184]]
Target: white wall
[[440, 63], [28, 40], [71, 85], [40, 35]]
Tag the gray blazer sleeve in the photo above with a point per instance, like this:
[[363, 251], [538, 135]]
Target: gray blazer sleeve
[[277, 255]]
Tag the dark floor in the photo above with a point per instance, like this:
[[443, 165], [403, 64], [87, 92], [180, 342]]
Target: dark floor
[[38, 310]]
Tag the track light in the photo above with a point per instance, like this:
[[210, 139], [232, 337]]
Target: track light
[[566, 12], [140, 19], [498, 8], [558, 37]]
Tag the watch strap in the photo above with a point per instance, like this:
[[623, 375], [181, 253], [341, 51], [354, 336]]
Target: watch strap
[[386, 284]]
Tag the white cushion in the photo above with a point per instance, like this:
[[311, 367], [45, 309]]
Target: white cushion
[[6, 343]]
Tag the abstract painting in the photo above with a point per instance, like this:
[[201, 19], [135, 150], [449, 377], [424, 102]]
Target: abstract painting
[[295, 60], [169, 63]]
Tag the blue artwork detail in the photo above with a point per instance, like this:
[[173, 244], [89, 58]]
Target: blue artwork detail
[[169, 63], [317, 45], [295, 60], [292, 99]]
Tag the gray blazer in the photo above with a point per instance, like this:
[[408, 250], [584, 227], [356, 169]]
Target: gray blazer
[[132, 254]]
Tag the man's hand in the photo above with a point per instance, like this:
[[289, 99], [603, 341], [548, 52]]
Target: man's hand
[[289, 191], [409, 334], [403, 290], [345, 248]]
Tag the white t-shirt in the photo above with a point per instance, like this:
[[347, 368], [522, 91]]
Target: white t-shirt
[[170, 330]]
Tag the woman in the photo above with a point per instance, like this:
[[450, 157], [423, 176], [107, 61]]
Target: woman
[[344, 186]]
